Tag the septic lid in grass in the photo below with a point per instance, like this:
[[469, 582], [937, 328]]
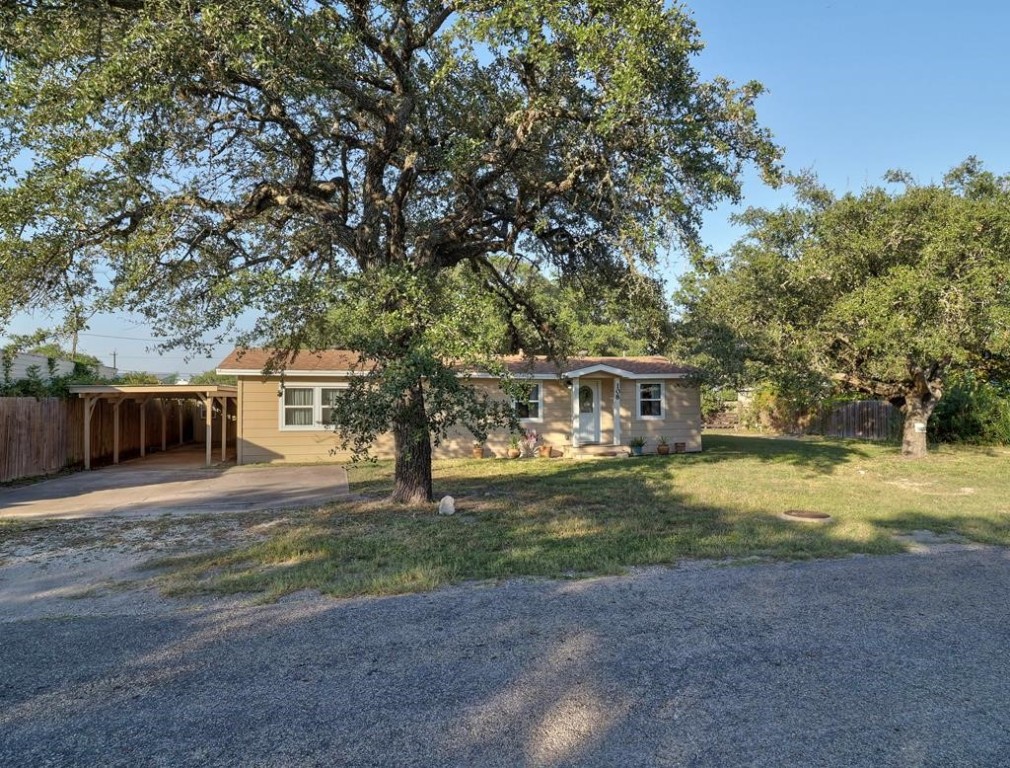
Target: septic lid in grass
[[808, 515]]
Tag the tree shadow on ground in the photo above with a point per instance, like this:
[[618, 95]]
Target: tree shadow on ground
[[818, 455]]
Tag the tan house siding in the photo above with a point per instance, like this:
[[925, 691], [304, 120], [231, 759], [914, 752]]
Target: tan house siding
[[261, 439], [681, 421]]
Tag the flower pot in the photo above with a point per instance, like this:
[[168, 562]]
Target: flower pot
[[662, 449], [545, 451], [636, 450], [478, 451], [513, 453]]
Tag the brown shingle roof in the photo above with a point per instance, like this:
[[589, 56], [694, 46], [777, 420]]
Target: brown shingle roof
[[255, 359], [329, 360], [652, 366]]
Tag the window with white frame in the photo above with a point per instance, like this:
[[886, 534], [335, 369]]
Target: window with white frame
[[650, 400], [531, 407], [327, 396], [307, 407]]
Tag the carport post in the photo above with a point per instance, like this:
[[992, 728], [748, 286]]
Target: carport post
[[89, 409], [115, 429], [164, 424], [178, 404], [143, 427], [209, 426], [224, 429]]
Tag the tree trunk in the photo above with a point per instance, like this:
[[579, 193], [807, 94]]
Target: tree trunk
[[413, 452], [917, 410]]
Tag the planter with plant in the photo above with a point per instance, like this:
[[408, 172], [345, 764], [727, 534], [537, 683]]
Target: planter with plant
[[662, 447], [513, 451], [637, 444], [529, 442], [478, 449]]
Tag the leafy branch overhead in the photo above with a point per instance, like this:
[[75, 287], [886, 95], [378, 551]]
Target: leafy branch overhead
[[216, 147]]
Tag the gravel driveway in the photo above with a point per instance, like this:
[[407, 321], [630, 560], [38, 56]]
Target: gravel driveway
[[856, 662]]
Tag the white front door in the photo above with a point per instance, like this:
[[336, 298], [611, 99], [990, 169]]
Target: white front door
[[589, 412]]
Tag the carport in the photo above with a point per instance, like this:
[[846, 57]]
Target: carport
[[208, 395]]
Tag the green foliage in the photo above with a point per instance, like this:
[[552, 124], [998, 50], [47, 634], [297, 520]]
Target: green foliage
[[770, 408], [881, 293], [973, 410], [213, 377], [36, 385], [137, 379], [715, 400]]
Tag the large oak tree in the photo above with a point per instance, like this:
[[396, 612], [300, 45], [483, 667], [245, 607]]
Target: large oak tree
[[882, 293], [324, 163]]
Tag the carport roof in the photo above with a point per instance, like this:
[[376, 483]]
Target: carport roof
[[161, 390]]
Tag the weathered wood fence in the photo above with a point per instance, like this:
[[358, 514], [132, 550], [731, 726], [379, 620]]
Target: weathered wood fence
[[39, 437], [864, 419]]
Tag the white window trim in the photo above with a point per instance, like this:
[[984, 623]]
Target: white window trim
[[638, 401], [540, 405], [317, 408]]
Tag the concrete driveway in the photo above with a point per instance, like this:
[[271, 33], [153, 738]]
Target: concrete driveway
[[890, 661], [173, 483]]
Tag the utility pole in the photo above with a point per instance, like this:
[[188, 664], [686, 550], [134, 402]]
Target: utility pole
[[114, 360]]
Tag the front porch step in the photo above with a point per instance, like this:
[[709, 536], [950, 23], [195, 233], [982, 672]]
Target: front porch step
[[599, 452]]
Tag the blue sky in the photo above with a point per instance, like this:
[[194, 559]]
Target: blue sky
[[855, 89]]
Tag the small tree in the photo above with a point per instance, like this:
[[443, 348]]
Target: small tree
[[882, 293]]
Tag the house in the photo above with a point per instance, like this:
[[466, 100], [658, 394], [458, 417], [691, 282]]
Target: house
[[591, 404]]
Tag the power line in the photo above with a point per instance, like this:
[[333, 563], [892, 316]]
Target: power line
[[118, 338]]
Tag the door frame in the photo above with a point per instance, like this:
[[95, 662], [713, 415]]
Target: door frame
[[593, 439]]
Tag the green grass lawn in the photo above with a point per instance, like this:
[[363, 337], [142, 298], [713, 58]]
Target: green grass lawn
[[559, 518]]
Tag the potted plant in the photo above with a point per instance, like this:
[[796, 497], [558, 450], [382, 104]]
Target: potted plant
[[637, 444], [662, 447], [478, 449], [529, 442], [545, 450], [513, 451]]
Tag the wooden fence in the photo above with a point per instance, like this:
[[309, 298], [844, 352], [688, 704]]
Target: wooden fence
[[39, 437], [865, 420]]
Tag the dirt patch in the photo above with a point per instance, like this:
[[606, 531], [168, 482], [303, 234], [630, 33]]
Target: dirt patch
[[82, 567], [924, 542]]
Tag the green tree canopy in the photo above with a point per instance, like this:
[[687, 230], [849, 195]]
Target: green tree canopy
[[882, 293], [191, 160]]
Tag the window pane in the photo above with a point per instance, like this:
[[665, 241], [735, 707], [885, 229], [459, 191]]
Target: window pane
[[650, 400], [586, 399], [329, 396], [530, 407], [651, 391], [298, 397], [652, 408], [298, 417]]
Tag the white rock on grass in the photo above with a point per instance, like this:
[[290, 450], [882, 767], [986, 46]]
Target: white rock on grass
[[447, 506]]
